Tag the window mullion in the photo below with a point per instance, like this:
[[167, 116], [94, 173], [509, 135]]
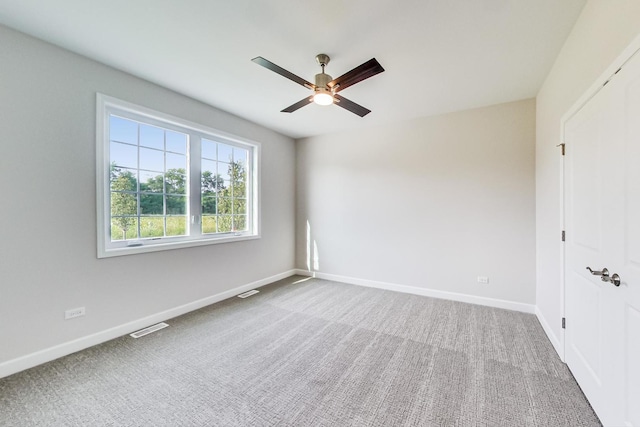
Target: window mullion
[[194, 174], [249, 195], [138, 194]]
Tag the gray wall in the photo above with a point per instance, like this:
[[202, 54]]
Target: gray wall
[[430, 203], [48, 223], [601, 33]]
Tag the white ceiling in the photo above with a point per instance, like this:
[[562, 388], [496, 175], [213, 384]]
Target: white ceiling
[[439, 55]]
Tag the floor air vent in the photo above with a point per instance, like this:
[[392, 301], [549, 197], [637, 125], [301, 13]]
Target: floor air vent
[[248, 293], [148, 330]]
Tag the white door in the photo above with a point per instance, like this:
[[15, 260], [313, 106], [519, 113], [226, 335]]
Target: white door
[[602, 215]]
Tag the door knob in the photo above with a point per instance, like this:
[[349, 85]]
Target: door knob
[[604, 276], [604, 272], [614, 279]]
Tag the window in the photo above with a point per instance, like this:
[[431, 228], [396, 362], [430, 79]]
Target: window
[[166, 183]]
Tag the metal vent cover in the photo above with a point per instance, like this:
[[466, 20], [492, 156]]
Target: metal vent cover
[[248, 293], [148, 330]]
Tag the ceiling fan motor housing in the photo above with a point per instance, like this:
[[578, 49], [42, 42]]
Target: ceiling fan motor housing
[[322, 80]]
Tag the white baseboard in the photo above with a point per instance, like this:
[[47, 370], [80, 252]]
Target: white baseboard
[[454, 296], [558, 344], [48, 354]]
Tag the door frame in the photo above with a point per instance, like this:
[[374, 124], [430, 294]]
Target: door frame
[[632, 49]]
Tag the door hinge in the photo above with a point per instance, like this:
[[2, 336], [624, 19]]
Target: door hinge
[[563, 235], [564, 323], [561, 147]]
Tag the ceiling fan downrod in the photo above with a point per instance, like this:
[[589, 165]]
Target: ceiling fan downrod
[[323, 79]]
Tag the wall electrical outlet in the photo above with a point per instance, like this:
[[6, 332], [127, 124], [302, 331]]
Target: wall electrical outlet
[[483, 279], [74, 312]]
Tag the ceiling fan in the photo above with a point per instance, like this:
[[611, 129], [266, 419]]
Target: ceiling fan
[[326, 88]]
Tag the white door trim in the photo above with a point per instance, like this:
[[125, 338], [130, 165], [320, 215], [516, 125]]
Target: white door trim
[[632, 49], [563, 226]]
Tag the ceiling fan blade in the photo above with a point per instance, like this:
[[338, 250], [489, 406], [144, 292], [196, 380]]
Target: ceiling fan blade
[[343, 102], [298, 105], [284, 73], [358, 74]]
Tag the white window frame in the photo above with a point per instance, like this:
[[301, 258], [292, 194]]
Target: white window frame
[[107, 105]]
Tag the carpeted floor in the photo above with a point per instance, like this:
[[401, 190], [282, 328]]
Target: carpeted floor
[[308, 352]]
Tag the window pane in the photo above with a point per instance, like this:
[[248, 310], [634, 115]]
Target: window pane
[[176, 205], [208, 149], [211, 183], [176, 226], [224, 223], [239, 189], [225, 153], [224, 205], [151, 226], [236, 172], [175, 183], [239, 180], [151, 136], [240, 222], [176, 142], [124, 228], [239, 206], [223, 171], [209, 166], [240, 155], [123, 179], [209, 224], [176, 161], [209, 205], [151, 204], [123, 204], [123, 155], [151, 182], [151, 159], [123, 130]]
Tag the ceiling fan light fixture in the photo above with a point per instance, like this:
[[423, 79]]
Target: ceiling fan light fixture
[[323, 97]]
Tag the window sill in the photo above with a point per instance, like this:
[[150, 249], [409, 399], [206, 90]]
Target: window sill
[[156, 247]]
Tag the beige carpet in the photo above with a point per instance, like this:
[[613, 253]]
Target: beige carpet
[[307, 352]]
